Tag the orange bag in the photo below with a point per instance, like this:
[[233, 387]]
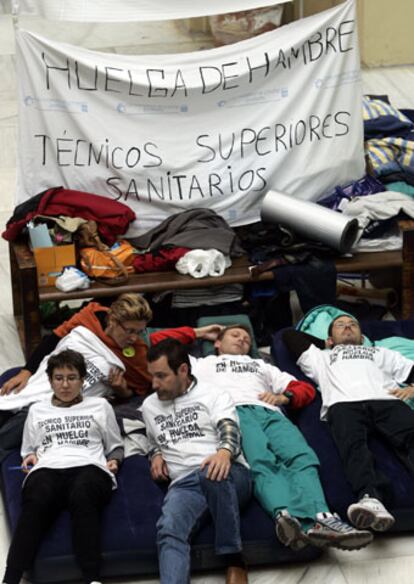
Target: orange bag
[[124, 252], [108, 265]]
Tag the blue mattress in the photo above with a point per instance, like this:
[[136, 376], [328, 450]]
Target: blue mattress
[[129, 530]]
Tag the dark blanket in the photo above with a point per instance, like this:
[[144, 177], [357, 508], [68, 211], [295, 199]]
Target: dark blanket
[[196, 229]]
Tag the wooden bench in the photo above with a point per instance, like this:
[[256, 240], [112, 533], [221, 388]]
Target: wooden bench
[[27, 295]]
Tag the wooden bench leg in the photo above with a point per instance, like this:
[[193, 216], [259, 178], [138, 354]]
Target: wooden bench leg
[[30, 313], [15, 283], [25, 304], [408, 274]]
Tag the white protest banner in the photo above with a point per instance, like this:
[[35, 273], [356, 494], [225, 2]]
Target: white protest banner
[[215, 128], [132, 10]]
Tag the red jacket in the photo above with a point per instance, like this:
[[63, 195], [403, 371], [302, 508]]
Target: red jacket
[[164, 258], [112, 217], [302, 393]]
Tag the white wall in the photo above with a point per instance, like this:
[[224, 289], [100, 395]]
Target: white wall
[[385, 29]]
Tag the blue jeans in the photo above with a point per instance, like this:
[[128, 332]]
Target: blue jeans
[[185, 506]]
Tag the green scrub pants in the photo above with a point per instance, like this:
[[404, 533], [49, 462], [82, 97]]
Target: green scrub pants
[[284, 467]]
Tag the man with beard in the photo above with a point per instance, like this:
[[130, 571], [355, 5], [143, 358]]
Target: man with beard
[[361, 393]]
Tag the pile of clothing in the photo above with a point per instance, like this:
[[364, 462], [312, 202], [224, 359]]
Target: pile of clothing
[[380, 198]]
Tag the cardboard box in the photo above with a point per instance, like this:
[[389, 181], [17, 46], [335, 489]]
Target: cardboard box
[[50, 262]]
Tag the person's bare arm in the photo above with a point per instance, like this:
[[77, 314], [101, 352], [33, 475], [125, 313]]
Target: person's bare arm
[[209, 332], [118, 383], [219, 465], [16, 383], [159, 469]]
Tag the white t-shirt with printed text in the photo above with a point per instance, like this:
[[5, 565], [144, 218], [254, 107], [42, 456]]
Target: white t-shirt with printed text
[[185, 429], [78, 435], [349, 373], [243, 377]]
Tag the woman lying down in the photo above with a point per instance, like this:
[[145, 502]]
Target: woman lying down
[[115, 345], [99, 360]]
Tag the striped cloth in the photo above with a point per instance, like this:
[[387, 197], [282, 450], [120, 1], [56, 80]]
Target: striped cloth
[[376, 108], [207, 296], [389, 155], [387, 152]]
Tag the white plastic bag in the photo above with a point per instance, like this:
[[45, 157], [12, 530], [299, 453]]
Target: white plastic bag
[[72, 279], [200, 263]]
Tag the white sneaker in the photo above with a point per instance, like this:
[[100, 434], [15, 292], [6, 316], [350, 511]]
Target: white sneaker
[[289, 531], [370, 512], [330, 531]]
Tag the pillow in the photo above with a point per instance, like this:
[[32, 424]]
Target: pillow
[[316, 322], [227, 320]]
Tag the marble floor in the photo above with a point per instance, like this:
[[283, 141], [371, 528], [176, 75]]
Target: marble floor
[[391, 557]]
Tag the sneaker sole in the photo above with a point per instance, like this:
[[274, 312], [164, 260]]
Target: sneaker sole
[[361, 517], [383, 523], [289, 534], [354, 541], [364, 518]]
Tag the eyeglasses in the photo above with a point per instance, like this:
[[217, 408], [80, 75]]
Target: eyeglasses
[[130, 331], [342, 325], [69, 378]]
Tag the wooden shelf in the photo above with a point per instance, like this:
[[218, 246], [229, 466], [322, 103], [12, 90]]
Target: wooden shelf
[[27, 295]]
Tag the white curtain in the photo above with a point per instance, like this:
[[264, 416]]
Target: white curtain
[[132, 10]]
